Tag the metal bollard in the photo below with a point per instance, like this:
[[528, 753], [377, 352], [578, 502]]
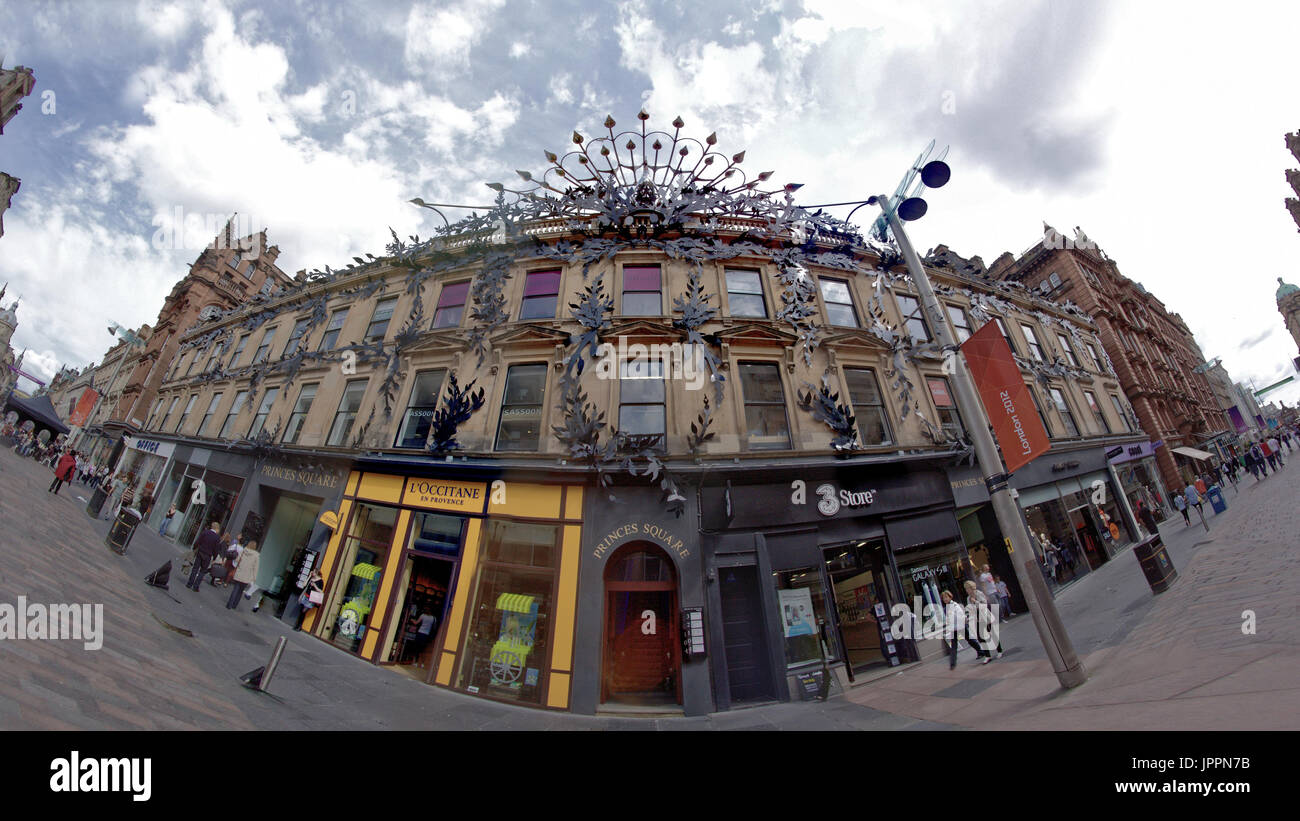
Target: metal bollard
[[260, 678]]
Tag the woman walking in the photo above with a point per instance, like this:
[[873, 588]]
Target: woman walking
[[245, 574], [985, 618]]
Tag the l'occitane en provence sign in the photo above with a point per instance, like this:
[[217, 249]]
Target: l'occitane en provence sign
[[444, 494]]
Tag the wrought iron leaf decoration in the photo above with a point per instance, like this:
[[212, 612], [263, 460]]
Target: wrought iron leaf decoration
[[825, 406], [458, 405]]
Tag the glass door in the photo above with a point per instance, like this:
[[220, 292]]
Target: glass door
[[860, 595]]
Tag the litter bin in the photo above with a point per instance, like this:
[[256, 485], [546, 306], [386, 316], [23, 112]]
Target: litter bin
[[119, 535], [1156, 564], [96, 504], [1215, 495]]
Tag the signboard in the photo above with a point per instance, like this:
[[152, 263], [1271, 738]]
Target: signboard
[[163, 449], [693, 631], [1006, 399], [445, 494], [85, 404], [797, 612], [1238, 422]]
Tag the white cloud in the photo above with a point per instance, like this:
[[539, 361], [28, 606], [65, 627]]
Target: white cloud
[[441, 36], [166, 21], [520, 49]]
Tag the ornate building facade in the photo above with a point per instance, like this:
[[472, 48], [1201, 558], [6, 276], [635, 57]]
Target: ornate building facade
[[1293, 177], [1152, 349], [1288, 304], [628, 435], [15, 84]]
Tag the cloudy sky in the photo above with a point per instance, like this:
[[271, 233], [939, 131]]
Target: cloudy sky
[[1159, 132]]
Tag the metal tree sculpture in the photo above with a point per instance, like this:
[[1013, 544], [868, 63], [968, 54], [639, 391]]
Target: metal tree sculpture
[[825, 406], [456, 409]]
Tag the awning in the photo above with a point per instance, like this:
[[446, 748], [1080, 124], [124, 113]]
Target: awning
[[1193, 453], [515, 602]]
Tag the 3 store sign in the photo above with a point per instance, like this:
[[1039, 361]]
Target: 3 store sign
[[832, 498]]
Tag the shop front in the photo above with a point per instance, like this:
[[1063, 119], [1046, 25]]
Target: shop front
[[807, 572], [145, 462], [204, 485], [279, 509], [468, 582], [1072, 509], [1139, 477]]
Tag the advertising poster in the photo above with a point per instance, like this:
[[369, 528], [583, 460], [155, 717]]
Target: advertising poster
[[797, 612]]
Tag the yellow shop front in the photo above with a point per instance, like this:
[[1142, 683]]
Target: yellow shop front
[[470, 585]]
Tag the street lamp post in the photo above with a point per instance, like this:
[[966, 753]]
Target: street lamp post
[[1051, 630]]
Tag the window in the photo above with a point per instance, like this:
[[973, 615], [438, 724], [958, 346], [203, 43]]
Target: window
[[170, 410], [1096, 411], [176, 366], [949, 418], [194, 363], [911, 310], [507, 637], [300, 410], [419, 409], [259, 419], [295, 337], [264, 348], [745, 293], [331, 337], [541, 295], [1002, 326], [1096, 358], [1066, 350], [347, 412], [868, 406], [451, 304], [960, 323], [215, 359], [1062, 408], [212, 407], [1030, 339], [641, 291], [1042, 417], [228, 426], [1119, 411], [766, 425], [380, 318], [243, 340], [839, 303], [520, 427], [641, 408], [189, 406], [350, 612], [157, 403]]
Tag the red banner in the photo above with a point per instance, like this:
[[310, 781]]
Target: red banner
[[84, 405], [1016, 425]]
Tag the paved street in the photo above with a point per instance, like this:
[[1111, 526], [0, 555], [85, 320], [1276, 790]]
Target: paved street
[[1177, 660]]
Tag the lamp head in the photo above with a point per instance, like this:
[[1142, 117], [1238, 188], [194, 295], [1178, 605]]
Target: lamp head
[[936, 174], [912, 208]]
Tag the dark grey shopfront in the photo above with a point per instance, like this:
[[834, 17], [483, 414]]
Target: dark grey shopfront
[[806, 568]]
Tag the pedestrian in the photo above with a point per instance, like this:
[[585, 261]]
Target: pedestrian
[[1004, 597], [205, 550], [987, 584], [167, 520], [1276, 447], [223, 565], [1200, 485], [954, 627], [979, 605], [1181, 503], [315, 585], [245, 574], [63, 472], [1193, 499], [1147, 518]]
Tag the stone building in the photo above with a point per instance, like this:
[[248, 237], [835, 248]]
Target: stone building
[[1152, 349], [232, 271], [1288, 304], [15, 84], [1293, 177], [627, 438]]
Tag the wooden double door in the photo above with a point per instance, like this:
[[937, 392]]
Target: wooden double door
[[642, 644]]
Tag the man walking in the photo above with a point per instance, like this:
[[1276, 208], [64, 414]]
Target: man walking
[[206, 548], [1276, 447], [1181, 503], [63, 472], [1193, 499]]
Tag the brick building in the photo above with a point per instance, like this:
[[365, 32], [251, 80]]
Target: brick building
[[1293, 176], [1152, 349]]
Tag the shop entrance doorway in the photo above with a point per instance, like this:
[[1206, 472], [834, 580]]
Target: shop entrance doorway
[[749, 671], [642, 658], [424, 610]]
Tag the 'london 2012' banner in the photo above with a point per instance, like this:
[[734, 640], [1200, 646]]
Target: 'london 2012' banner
[[1016, 425]]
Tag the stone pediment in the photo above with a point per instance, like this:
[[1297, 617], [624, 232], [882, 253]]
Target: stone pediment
[[860, 338], [528, 335], [440, 339], [756, 334], [651, 329]]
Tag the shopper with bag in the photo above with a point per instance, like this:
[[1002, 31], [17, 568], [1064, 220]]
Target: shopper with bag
[[313, 595], [245, 574]]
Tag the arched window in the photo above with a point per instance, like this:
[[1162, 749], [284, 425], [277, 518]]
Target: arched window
[[639, 564]]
